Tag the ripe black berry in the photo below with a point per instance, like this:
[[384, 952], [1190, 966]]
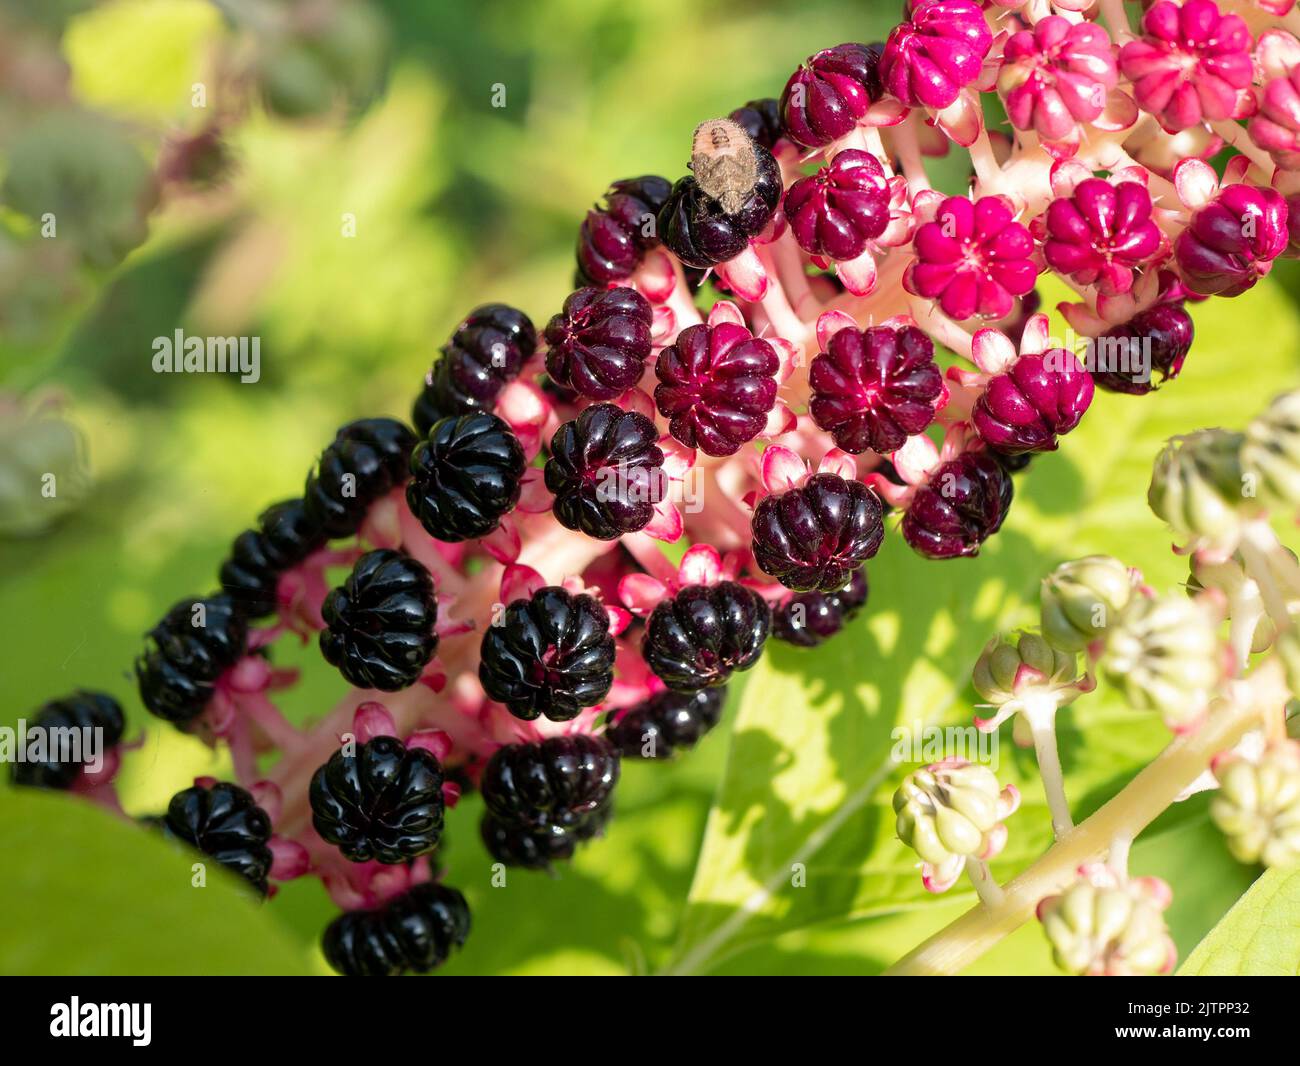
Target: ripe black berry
[[808, 618], [82, 710], [536, 848], [385, 802], [761, 119], [379, 622], [606, 470], [486, 352], [549, 655], [599, 342], [704, 633], [226, 824], [1166, 329], [666, 723], [816, 536], [961, 506], [196, 641], [557, 781], [284, 538], [612, 241], [367, 459], [416, 931], [465, 477]]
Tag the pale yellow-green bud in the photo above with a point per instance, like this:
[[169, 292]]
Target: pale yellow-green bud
[[1198, 488], [1081, 598], [1104, 926], [1258, 804], [1271, 451]]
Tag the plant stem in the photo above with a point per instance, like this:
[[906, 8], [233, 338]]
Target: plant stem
[[986, 888], [1040, 713], [955, 947]]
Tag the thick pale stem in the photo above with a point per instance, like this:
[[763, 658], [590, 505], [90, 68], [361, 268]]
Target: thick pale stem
[[1040, 714], [1261, 552], [987, 171], [986, 888], [903, 137], [940, 326], [1235, 135], [1117, 19]]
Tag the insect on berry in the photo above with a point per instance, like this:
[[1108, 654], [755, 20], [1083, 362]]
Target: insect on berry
[[724, 162]]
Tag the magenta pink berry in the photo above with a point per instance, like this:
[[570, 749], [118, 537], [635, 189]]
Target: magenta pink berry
[[974, 258], [1293, 227], [1101, 234], [963, 503], [1057, 75], [600, 341], [1163, 334], [1191, 63], [834, 212], [1025, 408], [1276, 128], [929, 59], [874, 388], [830, 92], [1232, 241], [716, 387]]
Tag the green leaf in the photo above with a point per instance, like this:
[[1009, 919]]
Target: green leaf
[[1260, 935], [802, 832], [88, 893]]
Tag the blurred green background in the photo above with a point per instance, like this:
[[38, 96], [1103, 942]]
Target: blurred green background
[[456, 202]]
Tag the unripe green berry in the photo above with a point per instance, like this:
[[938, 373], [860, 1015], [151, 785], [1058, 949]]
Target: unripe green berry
[[1081, 598], [1198, 488], [1271, 451], [1258, 804], [1102, 926]]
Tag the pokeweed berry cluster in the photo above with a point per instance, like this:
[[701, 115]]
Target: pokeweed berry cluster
[[761, 360]]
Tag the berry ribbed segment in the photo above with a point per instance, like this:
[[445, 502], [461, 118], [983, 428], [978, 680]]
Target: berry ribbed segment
[[807, 619], [702, 233], [285, 536], [379, 622], [1276, 128], [538, 847], [599, 343], [814, 537], [874, 388], [416, 932], [82, 710], [761, 119], [551, 654], [1038, 398], [929, 59], [716, 387], [1101, 234], [611, 241], [836, 211], [1232, 242], [226, 824], [559, 781], [824, 99], [963, 504], [704, 634], [1161, 336], [487, 351], [666, 723], [383, 803], [466, 476], [1056, 76], [196, 641], [367, 460], [606, 471]]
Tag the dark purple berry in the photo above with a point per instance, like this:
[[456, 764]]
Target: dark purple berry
[[466, 476], [226, 824], [666, 723], [808, 618], [80, 711], [1161, 334], [962, 505], [830, 92], [716, 387], [606, 470], [599, 343], [385, 802], [705, 633], [1027, 406], [284, 538], [834, 212], [366, 461], [874, 388], [196, 641], [551, 654], [557, 781], [612, 241], [537, 847], [417, 931], [486, 352], [815, 537], [761, 119], [379, 622]]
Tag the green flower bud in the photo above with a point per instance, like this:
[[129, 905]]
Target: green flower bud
[[1104, 926], [1081, 598], [1164, 655], [1258, 804], [43, 470], [1199, 489], [1271, 451], [1024, 676]]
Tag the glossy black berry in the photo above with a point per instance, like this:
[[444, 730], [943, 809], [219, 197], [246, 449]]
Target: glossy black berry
[[612, 240], [963, 504], [80, 711], [417, 931], [666, 723], [761, 119], [196, 641], [226, 824], [379, 622], [486, 352], [557, 781], [808, 618], [814, 537], [551, 654], [384, 802], [704, 633], [284, 537], [606, 471], [599, 342], [465, 477], [702, 233], [537, 847], [367, 460]]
